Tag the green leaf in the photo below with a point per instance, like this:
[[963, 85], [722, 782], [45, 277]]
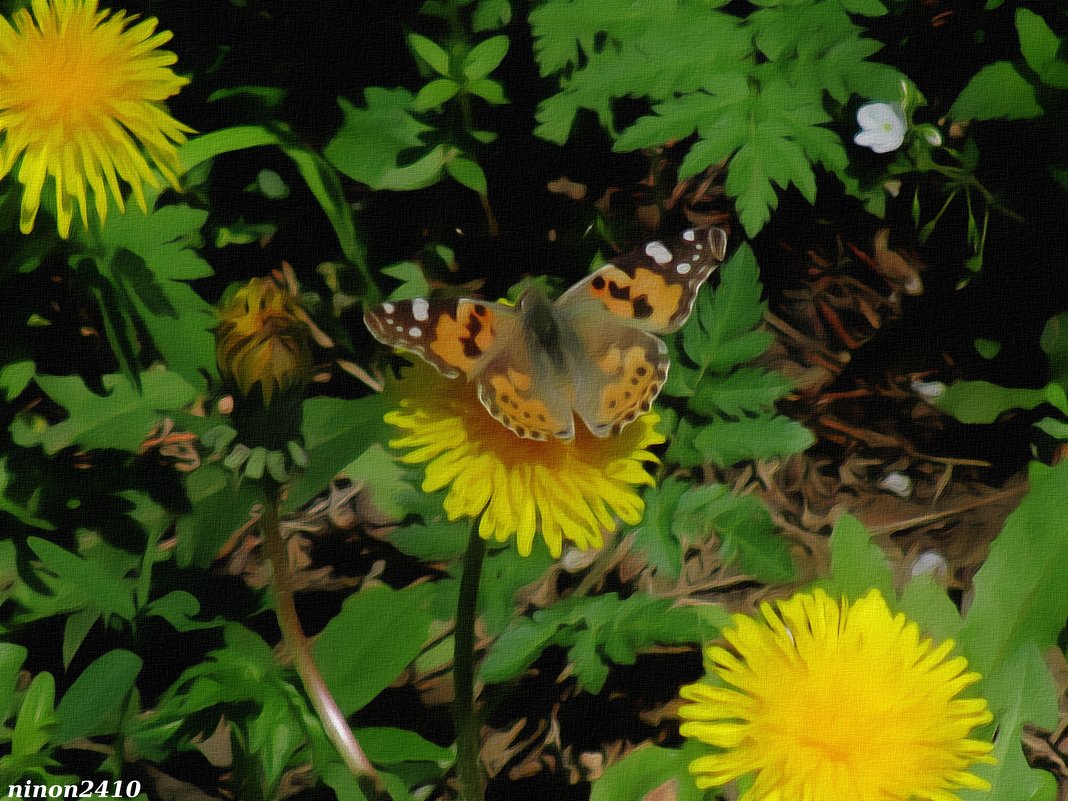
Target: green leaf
[[385, 745], [647, 768], [435, 93], [99, 580], [489, 90], [24, 513], [987, 348], [728, 442], [996, 92], [333, 430], [655, 535], [1011, 776], [374, 637], [1020, 600], [120, 419], [1057, 429], [857, 564], [983, 402], [745, 529], [490, 15], [413, 282], [431, 53], [467, 172], [869, 8], [722, 330], [926, 602], [598, 631], [217, 509], [431, 542], [485, 57], [178, 608], [36, 718], [1039, 45], [75, 629], [1054, 343], [747, 389], [94, 703], [369, 145], [15, 377], [386, 480], [11, 658]]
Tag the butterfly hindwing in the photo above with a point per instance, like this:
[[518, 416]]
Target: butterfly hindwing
[[617, 376]]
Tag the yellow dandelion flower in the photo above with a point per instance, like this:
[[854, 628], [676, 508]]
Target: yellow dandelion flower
[[825, 701], [81, 94], [262, 340], [563, 490]]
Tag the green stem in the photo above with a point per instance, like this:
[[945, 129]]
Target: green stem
[[337, 728], [468, 767], [956, 174]]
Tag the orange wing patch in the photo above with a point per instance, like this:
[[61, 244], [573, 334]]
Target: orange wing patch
[[503, 395], [634, 387], [645, 296], [462, 340]]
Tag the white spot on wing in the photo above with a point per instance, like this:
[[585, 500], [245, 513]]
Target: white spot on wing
[[389, 321], [683, 268], [389, 308], [658, 253], [415, 332], [400, 328], [689, 235], [420, 309]]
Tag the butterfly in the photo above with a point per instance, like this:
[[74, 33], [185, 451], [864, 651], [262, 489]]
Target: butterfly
[[594, 351]]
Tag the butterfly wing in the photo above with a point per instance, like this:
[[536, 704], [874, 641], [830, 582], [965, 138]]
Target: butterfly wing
[[653, 288], [454, 335], [484, 342], [617, 371]]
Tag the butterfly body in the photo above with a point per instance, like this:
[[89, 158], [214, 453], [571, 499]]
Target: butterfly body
[[594, 351]]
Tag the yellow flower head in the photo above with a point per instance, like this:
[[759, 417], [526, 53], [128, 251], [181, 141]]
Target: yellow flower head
[[521, 487], [81, 95], [825, 701], [261, 339]]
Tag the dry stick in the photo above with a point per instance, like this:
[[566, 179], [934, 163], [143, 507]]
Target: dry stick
[[337, 728]]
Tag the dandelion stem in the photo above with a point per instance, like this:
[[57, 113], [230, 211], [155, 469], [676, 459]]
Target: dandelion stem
[[337, 728], [468, 767]]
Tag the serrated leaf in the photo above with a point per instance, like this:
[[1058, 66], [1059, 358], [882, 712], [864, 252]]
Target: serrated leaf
[[728, 442], [119, 419], [435, 93], [997, 91], [431, 52], [24, 513], [94, 702], [655, 535], [469, 173], [370, 641], [747, 389], [744, 527], [371, 140], [104, 585], [485, 57]]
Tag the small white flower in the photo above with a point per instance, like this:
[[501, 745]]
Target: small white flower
[[882, 126]]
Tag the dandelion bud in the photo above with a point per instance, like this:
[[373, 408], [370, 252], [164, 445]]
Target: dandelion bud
[[261, 340]]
